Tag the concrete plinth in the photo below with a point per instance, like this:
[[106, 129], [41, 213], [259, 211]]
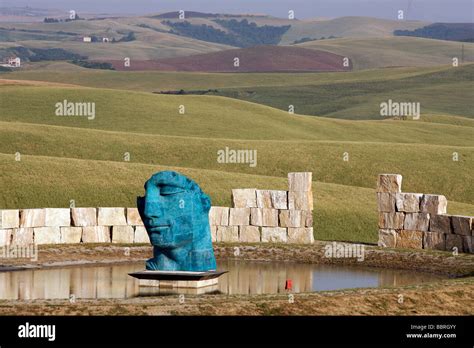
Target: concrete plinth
[[179, 279]]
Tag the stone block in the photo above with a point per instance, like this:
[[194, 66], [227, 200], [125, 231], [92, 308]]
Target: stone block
[[57, 217], [468, 244], [32, 218], [213, 233], [274, 235], [71, 235], [389, 183], [111, 217], [264, 199], [96, 234], [307, 218], [47, 235], [141, 235], [228, 234], [300, 235], [300, 181], [300, 200], [270, 217], [386, 202], [239, 216], [22, 236], [219, 216], [434, 204], [454, 241], [256, 216], [133, 217], [434, 241], [84, 217], [409, 239], [441, 223], [123, 234], [387, 238], [416, 221], [249, 234], [9, 218], [462, 224], [5, 237], [408, 202], [291, 218], [244, 198], [279, 199], [393, 221]]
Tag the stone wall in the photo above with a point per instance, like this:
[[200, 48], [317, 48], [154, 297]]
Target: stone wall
[[256, 216], [419, 221]]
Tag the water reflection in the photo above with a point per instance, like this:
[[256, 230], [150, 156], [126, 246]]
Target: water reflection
[[243, 278]]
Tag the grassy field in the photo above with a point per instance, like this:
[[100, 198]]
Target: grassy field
[[380, 52]]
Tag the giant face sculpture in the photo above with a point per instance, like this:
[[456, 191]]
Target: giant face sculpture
[[175, 213]]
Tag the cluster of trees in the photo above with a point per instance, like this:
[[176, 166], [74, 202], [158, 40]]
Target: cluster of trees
[[242, 33], [129, 37], [58, 20], [442, 31], [306, 39], [94, 65], [39, 54]]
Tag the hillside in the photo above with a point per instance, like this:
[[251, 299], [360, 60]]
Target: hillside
[[369, 53], [254, 59]]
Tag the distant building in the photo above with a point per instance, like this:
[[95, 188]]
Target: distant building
[[87, 39], [12, 62], [105, 39]]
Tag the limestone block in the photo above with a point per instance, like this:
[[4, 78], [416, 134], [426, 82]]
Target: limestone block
[[71, 235], [141, 235], [47, 235], [274, 235], [213, 233], [300, 181], [219, 216], [256, 216], [133, 217], [462, 224], [408, 202], [228, 234], [22, 236], [300, 200], [387, 238], [468, 244], [392, 221], [434, 204], [9, 218], [386, 202], [454, 241], [270, 217], [249, 234], [32, 218], [264, 199], [291, 218], [96, 234], [389, 183], [57, 217], [307, 218], [416, 221], [279, 199], [300, 235], [239, 216], [111, 217], [410, 239], [84, 217], [244, 198], [434, 241], [6, 236], [122, 234], [441, 223]]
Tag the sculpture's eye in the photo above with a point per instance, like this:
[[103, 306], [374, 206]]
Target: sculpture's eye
[[170, 190]]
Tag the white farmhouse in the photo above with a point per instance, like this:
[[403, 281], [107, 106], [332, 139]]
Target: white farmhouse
[[87, 39]]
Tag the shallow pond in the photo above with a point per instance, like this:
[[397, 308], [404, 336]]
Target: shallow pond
[[244, 277]]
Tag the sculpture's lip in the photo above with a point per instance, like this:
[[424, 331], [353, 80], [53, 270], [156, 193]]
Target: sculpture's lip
[[159, 227]]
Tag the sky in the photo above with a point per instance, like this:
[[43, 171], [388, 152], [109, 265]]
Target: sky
[[426, 10]]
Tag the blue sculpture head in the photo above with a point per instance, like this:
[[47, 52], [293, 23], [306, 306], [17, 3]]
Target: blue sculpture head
[[175, 213]]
